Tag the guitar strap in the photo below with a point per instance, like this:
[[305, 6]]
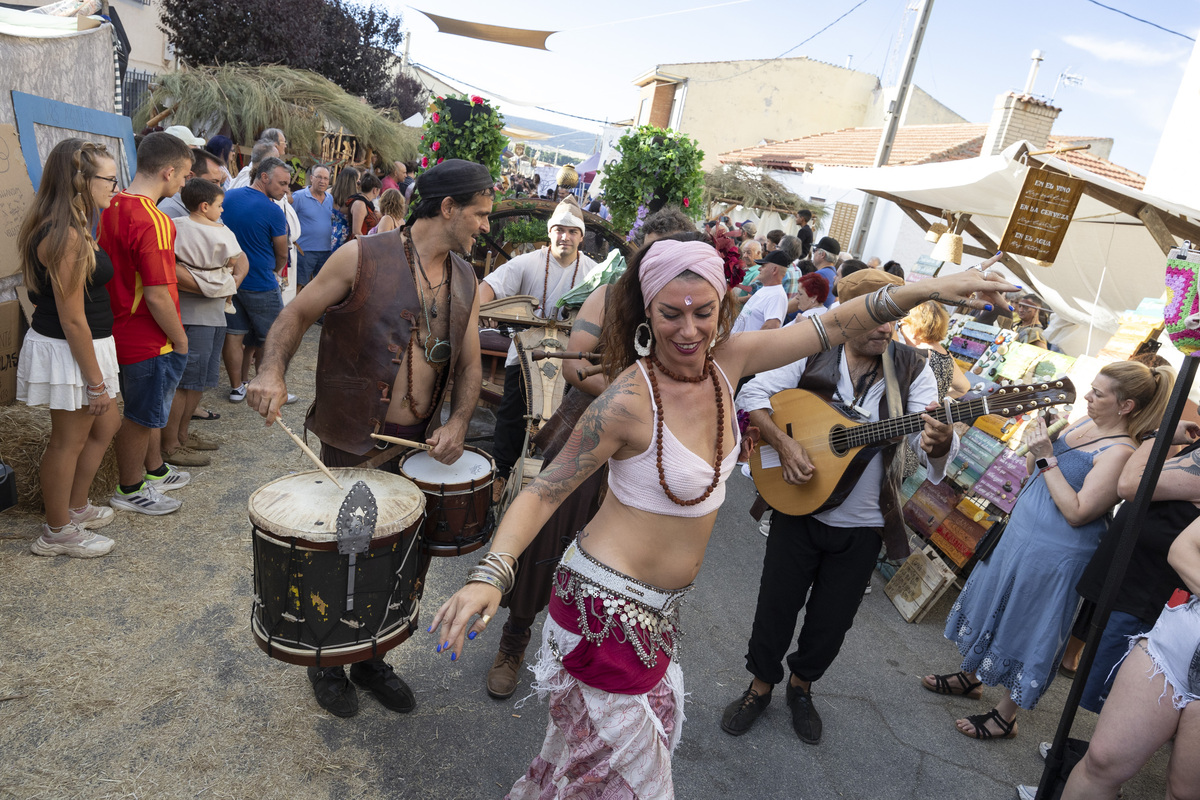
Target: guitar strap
[[891, 387]]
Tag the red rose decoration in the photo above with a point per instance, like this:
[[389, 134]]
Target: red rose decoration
[[435, 146], [436, 118], [425, 161], [440, 160], [686, 203], [476, 100]]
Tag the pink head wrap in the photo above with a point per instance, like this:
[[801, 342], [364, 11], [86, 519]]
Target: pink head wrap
[[667, 259]]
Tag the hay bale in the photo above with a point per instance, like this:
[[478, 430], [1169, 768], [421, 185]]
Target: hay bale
[[27, 432]]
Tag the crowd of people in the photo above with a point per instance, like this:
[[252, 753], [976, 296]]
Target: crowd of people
[[143, 292]]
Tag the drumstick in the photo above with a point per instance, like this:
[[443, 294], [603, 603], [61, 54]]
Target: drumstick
[[308, 452], [398, 440], [587, 372], [539, 355]]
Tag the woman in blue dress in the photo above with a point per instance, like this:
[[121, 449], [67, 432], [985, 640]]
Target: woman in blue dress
[[1013, 618]]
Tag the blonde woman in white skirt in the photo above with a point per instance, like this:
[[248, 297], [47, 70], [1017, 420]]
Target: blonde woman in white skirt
[[69, 360]]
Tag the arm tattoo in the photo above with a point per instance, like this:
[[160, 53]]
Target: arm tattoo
[[577, 459], [587, 327], [1189, 464]]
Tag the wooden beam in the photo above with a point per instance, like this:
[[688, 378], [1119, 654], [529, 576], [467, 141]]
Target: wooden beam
[[1157, 228], [916, 217], [990, 244]]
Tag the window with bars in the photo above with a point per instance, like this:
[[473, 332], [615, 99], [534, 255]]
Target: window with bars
[[135, 90]]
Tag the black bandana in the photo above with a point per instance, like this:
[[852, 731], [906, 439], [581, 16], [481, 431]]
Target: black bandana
[[453, 177]]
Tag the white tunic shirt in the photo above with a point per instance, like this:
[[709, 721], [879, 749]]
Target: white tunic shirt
[[527, 274], [860, 509]]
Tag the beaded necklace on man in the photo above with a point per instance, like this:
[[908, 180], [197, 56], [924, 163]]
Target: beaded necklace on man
[[709, 372], [546, 281], [862, 385], [439, 353]]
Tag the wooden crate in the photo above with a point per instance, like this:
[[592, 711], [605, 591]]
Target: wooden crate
[[918, 584]]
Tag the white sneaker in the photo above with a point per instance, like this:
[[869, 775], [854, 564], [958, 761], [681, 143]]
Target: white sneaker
[[174, 479], [1044, 749], [291, 399], [764, 525], [237, 395], [92, 517], [1025, 792], [72, 541], [146, 500]]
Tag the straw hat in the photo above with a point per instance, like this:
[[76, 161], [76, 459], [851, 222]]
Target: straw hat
[[949, 248]]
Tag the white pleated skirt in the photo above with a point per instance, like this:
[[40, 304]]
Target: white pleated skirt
[[47, 374]]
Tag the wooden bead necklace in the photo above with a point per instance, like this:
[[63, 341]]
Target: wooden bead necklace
[[711, 373]]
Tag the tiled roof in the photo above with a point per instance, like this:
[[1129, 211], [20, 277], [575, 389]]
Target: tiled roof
[[856, 147], [1096, 165], [915, 144]]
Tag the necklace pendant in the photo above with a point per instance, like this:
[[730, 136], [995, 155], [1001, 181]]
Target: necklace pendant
[[433, 311]]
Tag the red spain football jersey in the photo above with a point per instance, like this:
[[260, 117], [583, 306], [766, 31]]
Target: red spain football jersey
[[140, 239]]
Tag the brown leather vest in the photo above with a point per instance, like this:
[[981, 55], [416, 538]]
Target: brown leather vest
[[821, 375], [365, 336]]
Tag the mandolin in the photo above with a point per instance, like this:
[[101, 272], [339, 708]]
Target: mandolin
[[840, 447]]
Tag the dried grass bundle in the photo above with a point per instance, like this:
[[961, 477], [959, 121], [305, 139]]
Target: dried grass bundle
[[250, 99], [27, 431], [737, 185]]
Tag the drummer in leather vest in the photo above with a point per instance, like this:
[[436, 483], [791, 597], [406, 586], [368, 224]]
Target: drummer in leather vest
[[832, 552], [401, 320]]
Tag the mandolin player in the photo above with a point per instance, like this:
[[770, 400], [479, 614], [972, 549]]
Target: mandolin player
[[833, 550]]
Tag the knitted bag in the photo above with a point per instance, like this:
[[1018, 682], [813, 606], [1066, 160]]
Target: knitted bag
[[1182, 311]]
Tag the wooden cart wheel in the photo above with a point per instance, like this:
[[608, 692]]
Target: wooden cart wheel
[[492, 249]]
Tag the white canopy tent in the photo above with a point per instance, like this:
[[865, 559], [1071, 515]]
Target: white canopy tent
[[1113, 254]]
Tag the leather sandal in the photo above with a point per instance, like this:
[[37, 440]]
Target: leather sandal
[[965, 688], [1008, 730]]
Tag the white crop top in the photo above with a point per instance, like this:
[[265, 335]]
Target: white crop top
[[634, 480]]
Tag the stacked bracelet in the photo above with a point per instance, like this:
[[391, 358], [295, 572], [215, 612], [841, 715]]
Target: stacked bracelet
[[881, 308], [820, 329], [97, 391], [495, 571]]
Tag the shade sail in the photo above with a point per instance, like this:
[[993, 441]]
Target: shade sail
[[1109, 259], [521, 37]]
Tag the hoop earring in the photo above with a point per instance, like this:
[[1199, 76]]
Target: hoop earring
[[643, 350]]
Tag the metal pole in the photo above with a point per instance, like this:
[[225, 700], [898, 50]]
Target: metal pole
[[1116, 573], [892, 124]]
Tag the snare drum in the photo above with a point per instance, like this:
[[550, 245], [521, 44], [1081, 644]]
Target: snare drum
[[458, 499], [315, 606]]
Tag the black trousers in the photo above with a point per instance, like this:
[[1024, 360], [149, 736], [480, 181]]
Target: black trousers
[[509, 435], [804, 553]]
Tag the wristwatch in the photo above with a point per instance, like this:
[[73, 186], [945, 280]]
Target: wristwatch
[[1044, 464]]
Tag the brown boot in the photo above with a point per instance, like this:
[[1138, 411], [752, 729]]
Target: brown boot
[[502, 678]]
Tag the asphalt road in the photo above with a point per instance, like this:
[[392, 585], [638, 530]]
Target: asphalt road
[[135, 675]]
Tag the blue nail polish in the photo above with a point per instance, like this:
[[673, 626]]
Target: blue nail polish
[[471, 635], [998, 252], [987, 307], [430, 629], [439, 648], [453, 656]]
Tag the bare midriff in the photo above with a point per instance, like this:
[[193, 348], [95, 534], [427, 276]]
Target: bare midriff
[[662, 551]]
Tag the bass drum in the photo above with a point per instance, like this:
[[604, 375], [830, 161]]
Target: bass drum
[[315, 606]]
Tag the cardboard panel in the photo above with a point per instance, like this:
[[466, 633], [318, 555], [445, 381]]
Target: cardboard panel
[[10, 349], [1001, 481], [16, 198]]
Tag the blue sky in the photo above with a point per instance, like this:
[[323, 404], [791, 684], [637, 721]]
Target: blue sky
[[973, 50]]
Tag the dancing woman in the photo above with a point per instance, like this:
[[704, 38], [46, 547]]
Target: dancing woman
[[69, 358], [667, 429]]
